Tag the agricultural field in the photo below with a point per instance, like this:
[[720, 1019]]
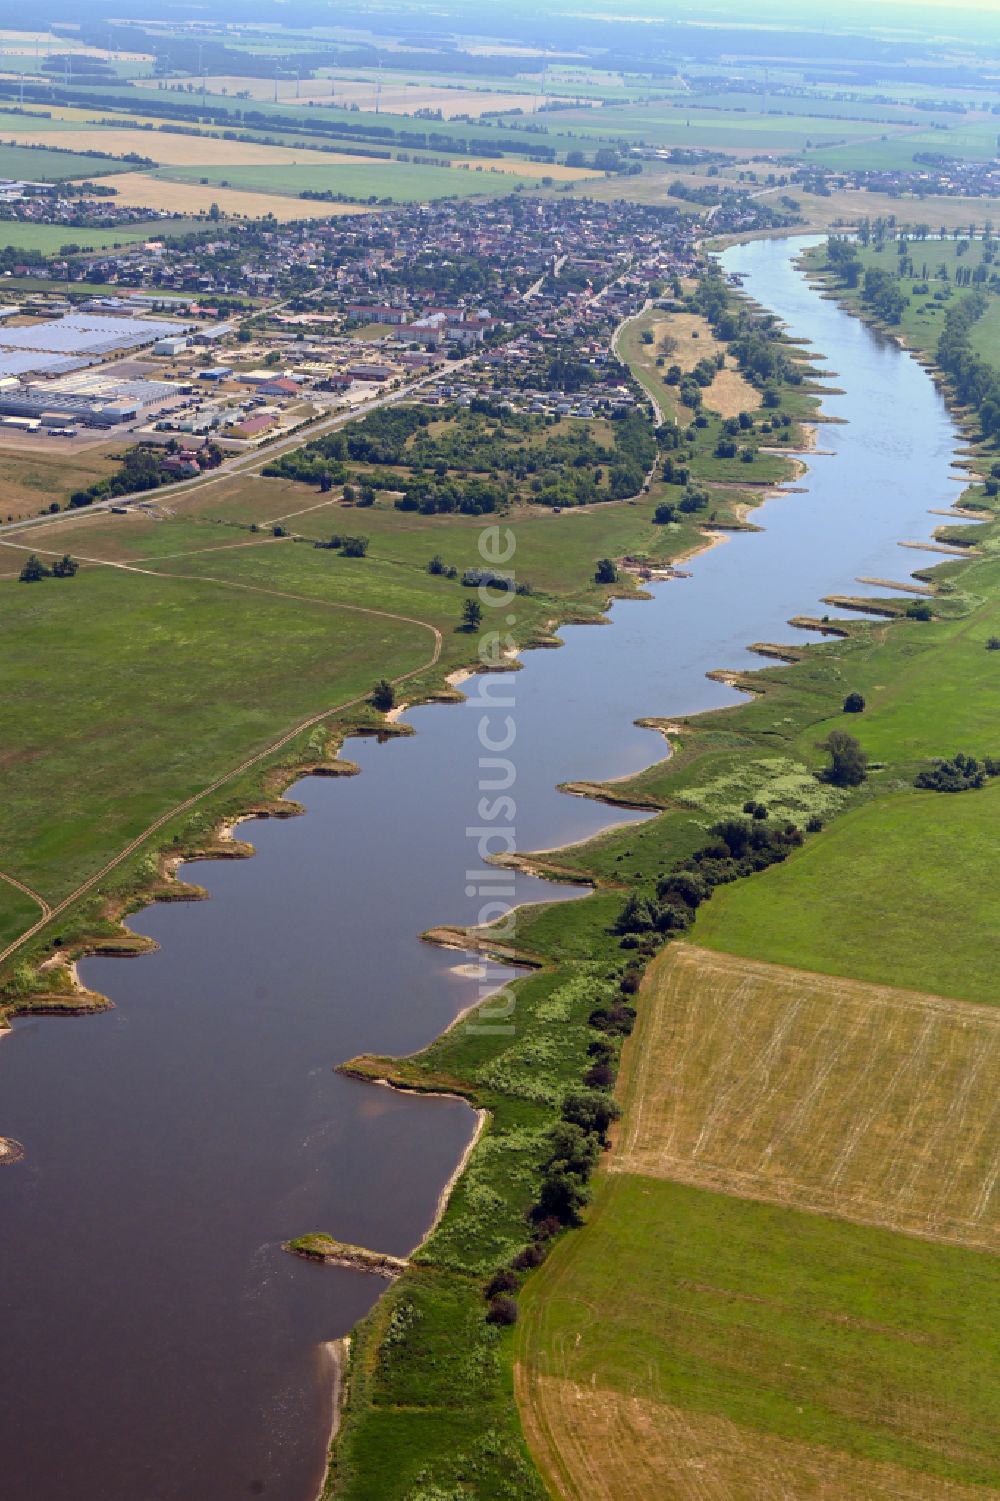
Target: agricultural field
[[689, 1346], [872, 1104], [37, 164], [971, 141], [881, 897], [143, 190], [669, 124], [54, 239], [171, 149], [396, 98], [606, 1446], [358, 181]]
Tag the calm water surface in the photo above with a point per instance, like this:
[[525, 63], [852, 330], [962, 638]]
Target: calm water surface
[[156, 1343]]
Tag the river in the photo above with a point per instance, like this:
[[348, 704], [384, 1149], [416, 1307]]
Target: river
[[157, 1343]]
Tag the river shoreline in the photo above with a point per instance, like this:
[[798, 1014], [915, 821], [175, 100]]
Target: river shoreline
[[741, 680], [221, 844]]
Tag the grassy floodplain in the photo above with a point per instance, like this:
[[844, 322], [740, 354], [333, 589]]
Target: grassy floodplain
[[667, 1327], [697, 1409], [155, 642], [190, 581], [427, 1339]]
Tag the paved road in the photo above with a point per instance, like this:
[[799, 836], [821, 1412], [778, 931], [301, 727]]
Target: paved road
[[254, 458]]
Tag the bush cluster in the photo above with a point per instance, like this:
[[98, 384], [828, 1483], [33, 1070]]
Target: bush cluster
[[961, 774], [573, 1146], [740, 847]]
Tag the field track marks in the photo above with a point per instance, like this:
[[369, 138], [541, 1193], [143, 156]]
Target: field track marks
[[595, 1444], [38, 900], [873, 1104], [246, 765]]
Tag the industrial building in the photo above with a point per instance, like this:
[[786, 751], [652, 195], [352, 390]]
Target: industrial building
[[49, 406]]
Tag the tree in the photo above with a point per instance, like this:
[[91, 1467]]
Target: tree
[[561, 1196], [606, 572], [854, 703], [848, 762], [472, 615], [502, 1310], [33, 570], [592, 1110], [383, 696], [66, 568]]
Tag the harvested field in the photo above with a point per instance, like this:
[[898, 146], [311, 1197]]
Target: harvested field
[[397, 98], [601, 1445], [873, 1104], [170, 150], [556, 170], [832, 1348], [145, 191]]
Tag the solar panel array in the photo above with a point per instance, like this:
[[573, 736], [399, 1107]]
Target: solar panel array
[[23, 362], [85, 334]]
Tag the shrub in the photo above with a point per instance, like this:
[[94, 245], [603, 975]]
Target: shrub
[[383, 696], [600, 1076], [503, 1281], [854, 703], [919, 609], [502, 1310], [591, 1110], [961, 774], [993, 644], [530, 1257], [33, 570]]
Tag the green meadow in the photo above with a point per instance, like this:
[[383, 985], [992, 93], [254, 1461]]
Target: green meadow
[[358, 181], [53, 239], [806, 1328], [38, 164], [899, 892], [163, 684]]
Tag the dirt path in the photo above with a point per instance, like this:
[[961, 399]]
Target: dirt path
[[40, 900], [48, 913]]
